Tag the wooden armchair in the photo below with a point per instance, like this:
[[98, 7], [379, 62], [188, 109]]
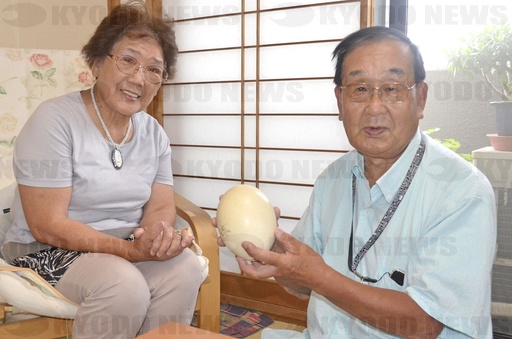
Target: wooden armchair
[[208, 301]]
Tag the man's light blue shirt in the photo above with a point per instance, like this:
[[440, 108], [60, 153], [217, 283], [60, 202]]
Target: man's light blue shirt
[[442, 236]]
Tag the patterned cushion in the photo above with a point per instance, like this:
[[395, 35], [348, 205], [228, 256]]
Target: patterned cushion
[[6, 196], [27, 292]]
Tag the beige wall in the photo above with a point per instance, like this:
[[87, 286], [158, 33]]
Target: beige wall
[[49, 24]]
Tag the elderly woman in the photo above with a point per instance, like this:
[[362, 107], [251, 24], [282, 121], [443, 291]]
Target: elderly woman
[[95, 210]]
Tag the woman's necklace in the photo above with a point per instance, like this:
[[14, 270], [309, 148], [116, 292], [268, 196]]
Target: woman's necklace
[[116, 156]]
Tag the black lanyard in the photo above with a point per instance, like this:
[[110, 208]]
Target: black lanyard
[[354, 262]]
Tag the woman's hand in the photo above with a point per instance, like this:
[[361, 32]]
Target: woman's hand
[[161, 242], [156, 239]]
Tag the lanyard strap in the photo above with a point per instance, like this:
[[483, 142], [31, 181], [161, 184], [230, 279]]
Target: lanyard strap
[[353, 263]]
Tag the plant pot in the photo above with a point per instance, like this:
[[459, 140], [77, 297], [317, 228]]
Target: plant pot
[[503, 117], [500, 142]]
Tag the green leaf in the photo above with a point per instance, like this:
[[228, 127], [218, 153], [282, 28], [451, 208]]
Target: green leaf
[[449, 143], [486, 54], [2, 90], [8, 144], [466, 156], [49, 72], [452, 144], [52, 82], [37, 75], [431, 130]]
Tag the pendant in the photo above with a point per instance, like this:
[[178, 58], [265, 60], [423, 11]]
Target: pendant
[[117, 159]]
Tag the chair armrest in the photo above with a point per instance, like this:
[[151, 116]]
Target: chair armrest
[[206, 238]]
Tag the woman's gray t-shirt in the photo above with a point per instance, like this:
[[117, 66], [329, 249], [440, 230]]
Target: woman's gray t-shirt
[[61, 147]]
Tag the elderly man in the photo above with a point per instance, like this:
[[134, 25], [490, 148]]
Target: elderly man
[[399, 235]]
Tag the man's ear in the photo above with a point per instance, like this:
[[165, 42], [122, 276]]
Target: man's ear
[[421, 98], [339, 102]]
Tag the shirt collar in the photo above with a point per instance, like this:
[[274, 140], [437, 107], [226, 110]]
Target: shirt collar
[[390, 182]]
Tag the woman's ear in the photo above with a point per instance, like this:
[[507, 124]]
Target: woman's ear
[[96, 68], [94, 71]]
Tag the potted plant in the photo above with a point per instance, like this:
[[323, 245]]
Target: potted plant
[[488, 53]]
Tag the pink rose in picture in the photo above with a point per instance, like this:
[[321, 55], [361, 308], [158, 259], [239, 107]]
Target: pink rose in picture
[[85, 78], [41, 60]]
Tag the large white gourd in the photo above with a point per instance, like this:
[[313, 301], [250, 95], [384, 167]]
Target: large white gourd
[[245, 214]]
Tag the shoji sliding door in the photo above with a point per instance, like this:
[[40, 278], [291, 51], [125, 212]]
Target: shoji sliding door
[[253, 99]]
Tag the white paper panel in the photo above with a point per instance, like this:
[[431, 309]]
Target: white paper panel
[[287, 224], [276, 97], [186, 9], [202, 192], [250, 98], [207, 162], [208, 66], [280, 166], [292, 200], [297, 61], [203, 130], [294, 166], [267, 4], [209, 33], [250, 5], [250, 63], [202, 98], [303, 132], [270, 92], [310, 23], [250, 30], [298, 96], [250, 165], [250, 131]]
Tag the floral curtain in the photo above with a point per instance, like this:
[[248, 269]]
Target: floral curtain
[[27, 78]]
